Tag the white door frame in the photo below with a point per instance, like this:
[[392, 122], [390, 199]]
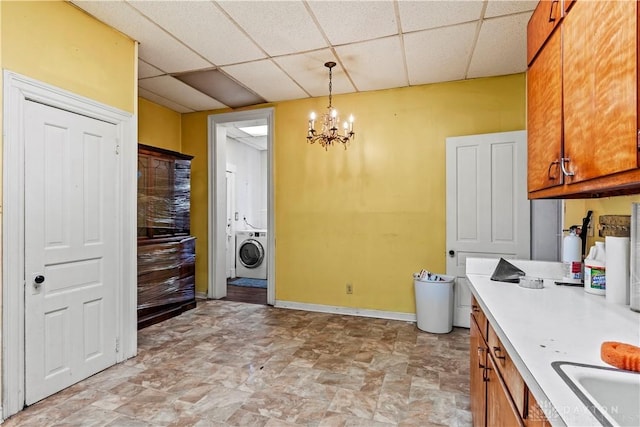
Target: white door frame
[[217, 162], [231, 200], [18, 90]]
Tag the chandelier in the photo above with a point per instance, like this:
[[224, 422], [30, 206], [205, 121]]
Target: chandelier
[[329, 121]]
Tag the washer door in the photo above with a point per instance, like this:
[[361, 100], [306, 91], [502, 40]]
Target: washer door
[[251, 253]]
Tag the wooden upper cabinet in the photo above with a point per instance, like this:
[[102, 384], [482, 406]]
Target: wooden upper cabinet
[[582, 101], [544, 19], [163, 193], [544, 116], [600, 89]]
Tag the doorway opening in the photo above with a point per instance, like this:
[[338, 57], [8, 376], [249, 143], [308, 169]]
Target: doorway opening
[[241, 220]]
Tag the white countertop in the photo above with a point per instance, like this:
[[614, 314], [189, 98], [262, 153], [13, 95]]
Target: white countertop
[[556, 323]]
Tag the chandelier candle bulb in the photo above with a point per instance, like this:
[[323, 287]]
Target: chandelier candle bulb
[[312, 119]]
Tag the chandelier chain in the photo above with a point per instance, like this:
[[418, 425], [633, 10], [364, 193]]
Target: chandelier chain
[[330, 84]]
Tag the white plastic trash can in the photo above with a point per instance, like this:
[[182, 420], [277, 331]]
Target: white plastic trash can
[[434, 304]]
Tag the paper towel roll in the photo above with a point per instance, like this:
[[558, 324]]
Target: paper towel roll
[[617, 273]]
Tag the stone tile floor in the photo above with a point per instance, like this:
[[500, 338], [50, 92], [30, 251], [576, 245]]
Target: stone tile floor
[[235, 364]]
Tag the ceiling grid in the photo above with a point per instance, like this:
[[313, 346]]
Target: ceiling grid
[[276, 49]]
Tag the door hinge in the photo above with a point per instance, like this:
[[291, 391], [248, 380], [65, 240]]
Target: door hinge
[[638, 140], [117, 148], [118, 345]]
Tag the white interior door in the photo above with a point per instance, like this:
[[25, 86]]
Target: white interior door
[[70, 248], [231, 229], [488, 212]]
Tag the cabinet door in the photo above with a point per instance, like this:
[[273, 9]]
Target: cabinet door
[[543, 20], [544, 116], [477, 356], [162, 205], [501, 412], [600, 88]]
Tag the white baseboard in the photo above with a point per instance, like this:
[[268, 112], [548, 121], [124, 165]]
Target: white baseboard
[[201, 295], [349, 311]]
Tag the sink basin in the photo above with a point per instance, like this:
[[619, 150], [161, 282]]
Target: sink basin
[[612, 395]]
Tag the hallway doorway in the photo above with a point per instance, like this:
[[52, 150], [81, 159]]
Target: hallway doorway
[[243, 140]]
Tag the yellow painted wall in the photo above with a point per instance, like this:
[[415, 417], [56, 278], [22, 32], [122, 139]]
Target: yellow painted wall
[[371, 215], [576, 209], [194, 142], [158, 126], [374, 214], [57, 43]]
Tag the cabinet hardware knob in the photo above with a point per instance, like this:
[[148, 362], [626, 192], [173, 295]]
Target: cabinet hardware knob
[[475, 308]]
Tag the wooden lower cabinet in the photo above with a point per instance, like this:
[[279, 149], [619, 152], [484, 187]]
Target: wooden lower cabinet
[[478, 356], [501, 411], [535, 417], [499, 395]]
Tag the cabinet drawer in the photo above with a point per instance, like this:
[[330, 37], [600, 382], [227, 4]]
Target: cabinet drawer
[[543, 21], [479, 317], [508, 371]]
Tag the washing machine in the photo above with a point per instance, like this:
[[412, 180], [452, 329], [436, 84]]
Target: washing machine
[[251, 254]]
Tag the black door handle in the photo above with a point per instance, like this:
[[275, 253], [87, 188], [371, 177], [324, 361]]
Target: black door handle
[[452, 253], [39, 279]]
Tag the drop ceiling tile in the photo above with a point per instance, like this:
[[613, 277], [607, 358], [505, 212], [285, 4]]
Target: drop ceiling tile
[[354, 21], [508, 7], [172, 88], [422, 15], [156, 46], [501, 48], [375, 64], [204, 27], [439, 55], [266, 79], [163, 101], [147, 70], [309, 71], [280, 27]]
